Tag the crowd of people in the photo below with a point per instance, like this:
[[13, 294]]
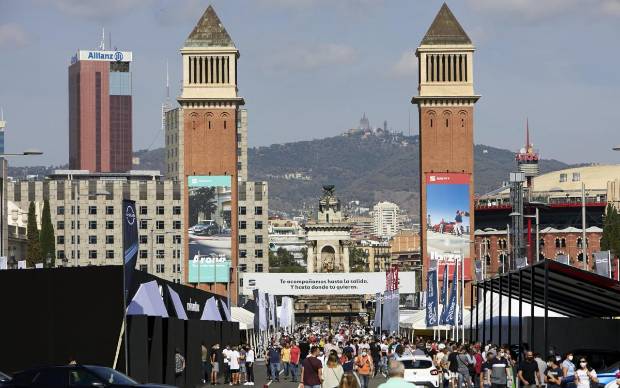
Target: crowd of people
[[351, 355]]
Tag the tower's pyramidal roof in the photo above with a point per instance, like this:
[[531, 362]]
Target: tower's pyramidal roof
[[445, 30], [209, 32]]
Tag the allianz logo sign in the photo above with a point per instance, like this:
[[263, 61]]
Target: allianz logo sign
[[116, 56]]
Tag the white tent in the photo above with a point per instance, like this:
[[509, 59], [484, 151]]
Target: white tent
[[493, 311], [417, 320], [244, 317]]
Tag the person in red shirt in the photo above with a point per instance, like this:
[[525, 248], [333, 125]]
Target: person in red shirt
[[295, 356]]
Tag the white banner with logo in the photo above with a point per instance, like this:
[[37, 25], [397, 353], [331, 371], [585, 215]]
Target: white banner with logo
[[352, 283]]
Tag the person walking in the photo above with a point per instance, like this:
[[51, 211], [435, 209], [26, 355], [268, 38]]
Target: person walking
[[249, 365], [179, 365], [332, 372], [553, 373], [585, 377], [273, 355], [396, 376], [226, 355], [215, 365], [464, 362], [568, 367], [528, 371], [242, 364], [364, 366], [204, 358], [233, 364], [349, 381], [311, 370], [495, 371], [295, 359], [285, 356]]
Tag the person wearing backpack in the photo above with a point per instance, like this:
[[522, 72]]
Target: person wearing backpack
[[465, 364], [453, 368]]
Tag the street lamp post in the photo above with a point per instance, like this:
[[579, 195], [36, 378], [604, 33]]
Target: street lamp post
[[28, 152], [536, 218]]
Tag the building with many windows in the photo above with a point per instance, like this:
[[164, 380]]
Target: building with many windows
[[100, 111], [385, 219], [86, 212]]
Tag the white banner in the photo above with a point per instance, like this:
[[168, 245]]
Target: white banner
[[351, 283], [4, 263]]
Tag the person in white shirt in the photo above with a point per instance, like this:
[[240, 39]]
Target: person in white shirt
[[233, 363], [226, 355], [249, 365], [585, 377]]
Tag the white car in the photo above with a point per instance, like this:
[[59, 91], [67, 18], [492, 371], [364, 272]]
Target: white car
[[420, 370]]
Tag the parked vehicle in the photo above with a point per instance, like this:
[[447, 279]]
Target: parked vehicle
[[605, 375], [4, 379], [74, 375], [420, 370]]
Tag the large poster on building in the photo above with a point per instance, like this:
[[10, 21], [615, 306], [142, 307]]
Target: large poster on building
[[209, 228], [448, 219]]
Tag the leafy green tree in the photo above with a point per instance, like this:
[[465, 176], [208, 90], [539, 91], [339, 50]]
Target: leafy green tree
[[284, 261], [201, 202], [33, 252], [48, 245], [358, 260], [610, 240]]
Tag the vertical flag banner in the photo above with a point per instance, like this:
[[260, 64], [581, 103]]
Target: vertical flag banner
[[394, 322], [431, 299], [377, 320], [602, 262], [130, 242], [256, 310], [478, 269], [451, 309], [444, 296], [262, 307]]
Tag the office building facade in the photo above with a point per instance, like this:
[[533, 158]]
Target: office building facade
[[100, 111], [91, 235]]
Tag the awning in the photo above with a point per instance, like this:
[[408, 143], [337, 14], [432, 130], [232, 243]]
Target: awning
[[243, 316], [569, 290], [148, 301]]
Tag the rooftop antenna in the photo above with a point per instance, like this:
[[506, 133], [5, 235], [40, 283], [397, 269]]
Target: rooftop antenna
[[527, 133], [165, 107], [102, 43], [167, 83]]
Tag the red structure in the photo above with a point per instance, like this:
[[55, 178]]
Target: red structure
[[100, 111]]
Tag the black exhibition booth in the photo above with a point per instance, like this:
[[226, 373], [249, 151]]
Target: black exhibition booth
[[588, 301], [50, 315]]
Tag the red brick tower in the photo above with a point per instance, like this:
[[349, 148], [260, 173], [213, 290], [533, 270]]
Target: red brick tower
[[210, 105], [446, 108]]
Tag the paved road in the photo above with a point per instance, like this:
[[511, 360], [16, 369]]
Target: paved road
[[261, 378]]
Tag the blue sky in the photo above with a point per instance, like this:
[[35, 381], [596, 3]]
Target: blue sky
[[444, 200], [310, 68]]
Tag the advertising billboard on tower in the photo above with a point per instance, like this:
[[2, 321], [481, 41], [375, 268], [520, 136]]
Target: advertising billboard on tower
[[448, 218], [209, 228]]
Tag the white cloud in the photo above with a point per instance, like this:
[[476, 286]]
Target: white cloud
[[312, 57], [533, 10], [610, 7], [406, 66], [12, 35], [97, 9]]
